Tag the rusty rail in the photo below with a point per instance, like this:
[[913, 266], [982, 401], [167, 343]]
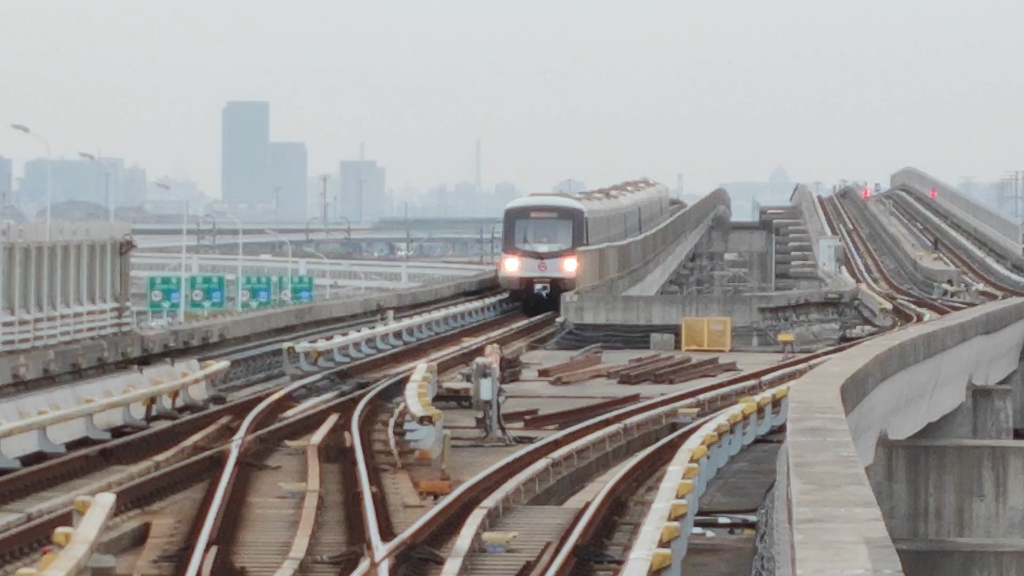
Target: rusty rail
[[447, 517], [374, 509], [311, 500]]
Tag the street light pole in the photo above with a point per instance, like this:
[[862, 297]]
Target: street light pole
[[49, 189], [238, 274], [277, 206], [184, 242], [106, 182], [324, 258], [288, 242]]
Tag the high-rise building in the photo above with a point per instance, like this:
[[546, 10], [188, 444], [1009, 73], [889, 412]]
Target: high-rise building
[[289, 173], [245, 153], [6, 181], [362, 191], [135, 186], [82, 180]]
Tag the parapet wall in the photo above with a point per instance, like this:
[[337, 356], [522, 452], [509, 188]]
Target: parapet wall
[[986, 223], [894, 385], [191, 338], [616, 266]]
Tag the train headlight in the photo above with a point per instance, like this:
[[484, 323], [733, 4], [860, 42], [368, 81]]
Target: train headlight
[[511, 264], [570, 264]]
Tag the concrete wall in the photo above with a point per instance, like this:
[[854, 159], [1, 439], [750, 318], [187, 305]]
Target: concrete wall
[[894, 385], [921, 488], [754, 243], [744, 309], [949, 197], [806, 202], [192, 337]]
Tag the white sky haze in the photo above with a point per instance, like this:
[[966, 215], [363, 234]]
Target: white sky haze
[[597, 90]]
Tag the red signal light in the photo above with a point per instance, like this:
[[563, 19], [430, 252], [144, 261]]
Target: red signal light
[[934, 193], [866, 193]]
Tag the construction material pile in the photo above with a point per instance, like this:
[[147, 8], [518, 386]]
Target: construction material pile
[[655, 368]]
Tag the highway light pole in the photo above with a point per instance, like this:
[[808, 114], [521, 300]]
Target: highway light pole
[[238, 274], [183, 290], [49, 161], [106, 183], [288, 242]]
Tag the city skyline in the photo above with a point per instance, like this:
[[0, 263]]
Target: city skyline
[[546, 109]]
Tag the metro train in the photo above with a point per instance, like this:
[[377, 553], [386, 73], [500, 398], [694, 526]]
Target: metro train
[[542, 233]]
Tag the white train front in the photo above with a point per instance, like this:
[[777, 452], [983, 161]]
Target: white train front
[[542, 233]]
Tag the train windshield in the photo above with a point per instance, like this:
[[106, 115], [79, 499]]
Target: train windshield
[[543, 234]]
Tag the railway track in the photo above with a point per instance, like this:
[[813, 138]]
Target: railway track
[[961, 258], [872, 271], [254, 359], [422, 547], [217, 530], [296, 485], [162, 460]]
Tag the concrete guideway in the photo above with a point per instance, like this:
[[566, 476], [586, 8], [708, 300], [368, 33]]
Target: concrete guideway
[[898, 387], [87, 354], [618, 266], [999, 234]]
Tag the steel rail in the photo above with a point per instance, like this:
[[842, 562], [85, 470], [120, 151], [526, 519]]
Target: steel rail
[[457, 506], [964, 260], [377, 549], [656, 456], [937, 305]]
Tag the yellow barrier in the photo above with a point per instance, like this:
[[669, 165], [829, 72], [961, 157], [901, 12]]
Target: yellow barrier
[[707, 334]]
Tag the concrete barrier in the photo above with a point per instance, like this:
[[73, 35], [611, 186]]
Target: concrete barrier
[[616, 266], [892, 387], [744, 309], [993, 267], [37, 363], [999, 234]]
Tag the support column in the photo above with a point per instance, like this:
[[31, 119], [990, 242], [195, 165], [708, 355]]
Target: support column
[[993, 412]]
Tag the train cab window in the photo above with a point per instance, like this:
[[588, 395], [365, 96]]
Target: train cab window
[[543, 234]]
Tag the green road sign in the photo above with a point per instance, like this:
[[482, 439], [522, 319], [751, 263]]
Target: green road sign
[[256, 292], [164, 293], [206, 292], [300, 290]]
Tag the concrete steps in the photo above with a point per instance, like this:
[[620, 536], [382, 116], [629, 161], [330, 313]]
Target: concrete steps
[[794, 255]]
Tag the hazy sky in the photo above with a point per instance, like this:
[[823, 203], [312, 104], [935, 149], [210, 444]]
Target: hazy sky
[[596, 90]]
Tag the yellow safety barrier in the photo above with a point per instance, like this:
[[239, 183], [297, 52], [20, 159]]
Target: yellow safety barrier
[[707, 334]]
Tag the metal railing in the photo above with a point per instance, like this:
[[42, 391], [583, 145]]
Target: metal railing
[[312, 357]]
